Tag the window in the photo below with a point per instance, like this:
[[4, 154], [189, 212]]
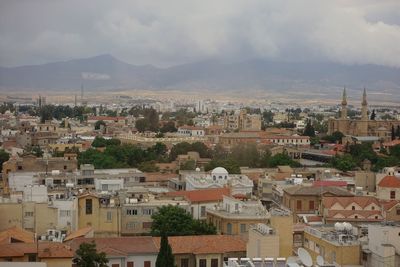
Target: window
[[19, 167], [130, 264], [109, 216], [333, 256], [115, 265], [356, 217], [214, 262], [32, 258], [242, 228], [203, 211], [202, 263], [65, 167], [147, 211], [298, 204], [184, 262], [88, 206], [146, 225], [353, 207], [229, 228], [373, 207], [131, 212], [191, 210], [147, 264], [131, 225], [28, 213], [392, 194], [311, 205], [398, 211]]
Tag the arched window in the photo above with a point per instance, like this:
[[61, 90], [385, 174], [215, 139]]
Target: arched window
[[229, 228]]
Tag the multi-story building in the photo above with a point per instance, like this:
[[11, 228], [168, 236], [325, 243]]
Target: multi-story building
[[388, 188], [190, 131], [307, 199], [234, 217], [338, 246], [240, 120], [239, 184], [383, 246]]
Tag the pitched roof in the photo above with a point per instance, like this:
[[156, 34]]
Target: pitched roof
[[315, 191], [204, 244], [119, 245], [388, 205], [17, 249], [54, 250], [205, 195], [79, 233], [363, 215], [16, 234], [362, 201], [330, 183], [390, 181]]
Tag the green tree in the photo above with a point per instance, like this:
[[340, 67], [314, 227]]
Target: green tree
[[98, 124], [46, 113], [4, 156], [344, 163], [87, 256], [309, 130], [245, 154], [165, 258], [282, 159], [188, 165], [201, 148], [169, 127], [37, 151], [395, 151], [334, 137], [174, 220], [179, 149], [373, 115], [141, 125], [148, 166], [229, 164], [99, 142]]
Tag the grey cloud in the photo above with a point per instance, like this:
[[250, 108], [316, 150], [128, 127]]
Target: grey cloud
[[179, 31]]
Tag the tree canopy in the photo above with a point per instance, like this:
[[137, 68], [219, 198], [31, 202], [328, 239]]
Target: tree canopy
[[165, 258], [4, 156], [174, 220], [87, 256]]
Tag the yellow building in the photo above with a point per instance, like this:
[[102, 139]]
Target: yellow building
[[35, 217], [102, 213], [283, 225], [263, 242], [234, 217], [335, 247]]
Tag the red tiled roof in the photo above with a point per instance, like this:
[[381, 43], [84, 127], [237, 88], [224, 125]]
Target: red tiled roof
[[363, 215], [18, 234], [205, 195], [54, 250], [44, 250], [362, 201], [390, 181], [204, 244], [388, 205], [79, 233], [330, 183], [119, 245]]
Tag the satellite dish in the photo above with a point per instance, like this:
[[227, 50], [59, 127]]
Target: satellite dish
[[304, 257], [320, 260]]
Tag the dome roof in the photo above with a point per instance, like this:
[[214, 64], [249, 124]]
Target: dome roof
[[219, 171]]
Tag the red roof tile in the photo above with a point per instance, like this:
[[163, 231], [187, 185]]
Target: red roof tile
[[330, 183], [205, 195], [390, 181], [204, 244], [17, 234]]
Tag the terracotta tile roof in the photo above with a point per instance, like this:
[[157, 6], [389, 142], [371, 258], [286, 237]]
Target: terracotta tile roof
[[17, 234], [79, 233], [390, 181], [315, 191], [119, 245], [17, 249], [54, 250], [205, 195], [388, 205], [363, 215], [330, 183], [204, 244], [362, 201]]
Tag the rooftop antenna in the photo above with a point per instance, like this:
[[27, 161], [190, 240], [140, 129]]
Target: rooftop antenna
[[305, 257]]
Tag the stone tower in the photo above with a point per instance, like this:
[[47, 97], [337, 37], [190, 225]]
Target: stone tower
[[343, 114], [363, 124]]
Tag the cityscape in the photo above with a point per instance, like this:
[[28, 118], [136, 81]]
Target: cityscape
[[147, 134]]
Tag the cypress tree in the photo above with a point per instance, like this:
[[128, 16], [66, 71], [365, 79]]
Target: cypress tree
[[165, 257], [393, 133], [398, 131]]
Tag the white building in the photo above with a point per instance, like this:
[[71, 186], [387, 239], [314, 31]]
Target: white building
[[67, 213], [383, 245], [109, 185], [219, 177], [190, 131], [35, 193]]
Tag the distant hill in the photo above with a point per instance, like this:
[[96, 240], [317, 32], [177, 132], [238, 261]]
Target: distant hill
[[106, 72]]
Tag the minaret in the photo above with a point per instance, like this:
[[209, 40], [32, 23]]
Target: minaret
[[364, 107], [343, 113]]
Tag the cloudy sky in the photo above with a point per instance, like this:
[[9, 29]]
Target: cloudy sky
[[171, 32]]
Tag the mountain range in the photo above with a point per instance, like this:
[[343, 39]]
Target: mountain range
[[105, 72]]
